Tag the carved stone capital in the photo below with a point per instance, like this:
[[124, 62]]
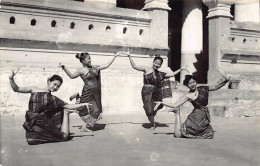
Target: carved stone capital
[[219, 8], [212, 3], [156, 4]]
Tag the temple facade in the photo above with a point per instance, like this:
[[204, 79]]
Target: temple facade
[[210, 36]]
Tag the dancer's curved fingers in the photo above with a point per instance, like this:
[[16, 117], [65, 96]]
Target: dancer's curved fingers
[[18, 68], [14, 71], [187, 70], [225, 76]]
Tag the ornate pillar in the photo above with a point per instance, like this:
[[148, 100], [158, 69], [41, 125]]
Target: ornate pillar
[[219, 20], [191, 35], [159, 12], [159, 26], [247, 10], [102, 3], [156, 4]]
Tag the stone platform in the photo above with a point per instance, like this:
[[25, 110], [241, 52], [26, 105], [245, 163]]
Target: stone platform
[[122, 140]]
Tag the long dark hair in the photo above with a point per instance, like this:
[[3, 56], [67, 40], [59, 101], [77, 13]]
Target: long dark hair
[[188, 78], [157, 56], [55, 77], [82, 56]]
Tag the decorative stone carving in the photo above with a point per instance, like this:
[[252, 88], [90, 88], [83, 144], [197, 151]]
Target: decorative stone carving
[[212, 3], [219, 7], [156, 4]]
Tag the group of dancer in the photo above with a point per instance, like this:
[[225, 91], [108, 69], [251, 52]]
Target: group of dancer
[[47, 119]]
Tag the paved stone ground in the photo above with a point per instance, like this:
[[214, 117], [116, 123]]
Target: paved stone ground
[[122, 140]]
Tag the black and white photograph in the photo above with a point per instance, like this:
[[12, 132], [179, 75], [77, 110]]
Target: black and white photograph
[[130, 82]]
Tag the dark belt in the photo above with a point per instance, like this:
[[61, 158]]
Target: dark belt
[[202, 107]]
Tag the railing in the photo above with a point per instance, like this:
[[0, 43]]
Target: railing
[[68, 25], [243, 43]]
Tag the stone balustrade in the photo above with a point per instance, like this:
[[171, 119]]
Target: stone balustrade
[[245, 38], [234, 46], [243, 43], [81, 26], [38, 35]]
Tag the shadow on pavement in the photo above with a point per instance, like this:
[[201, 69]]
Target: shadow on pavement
[[98, 126], [90, 135], [149, 125], [72, 135], [163, 133]]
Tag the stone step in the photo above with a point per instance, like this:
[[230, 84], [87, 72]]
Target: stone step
[[229, 101], [232, 111], [235, 93], [224, 93], [226, 103]]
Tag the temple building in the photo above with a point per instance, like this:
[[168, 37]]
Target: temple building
[[210, 36]]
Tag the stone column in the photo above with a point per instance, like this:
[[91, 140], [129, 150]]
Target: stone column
[[102, 3], [247, 10], [156, 4], [191, 35], [159, 25], [219, 29], [159, 28]]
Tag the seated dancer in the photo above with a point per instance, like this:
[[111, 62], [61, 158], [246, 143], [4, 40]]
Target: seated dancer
[[156, 86], [91, 92], [47, 119], [197, 123]]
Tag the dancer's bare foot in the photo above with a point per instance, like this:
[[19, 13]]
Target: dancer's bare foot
[[174, 110], [154, 126], [159, 105], [85, 129]]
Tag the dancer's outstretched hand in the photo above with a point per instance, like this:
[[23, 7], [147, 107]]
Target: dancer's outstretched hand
[[126, 52], [174, 110], [117, 53], [87, 104], [77, 101], [171, 110], [227, 78], [61, 65], [14, 72], [158, 102], [224, 76], [100, 116], [185, 68]]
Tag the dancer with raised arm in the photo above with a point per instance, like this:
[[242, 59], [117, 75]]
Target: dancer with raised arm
[[47, 119], [156, 86], [91, 92], [197, 124]]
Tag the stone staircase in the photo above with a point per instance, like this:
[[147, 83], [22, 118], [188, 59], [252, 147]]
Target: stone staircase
[[234, 103]]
